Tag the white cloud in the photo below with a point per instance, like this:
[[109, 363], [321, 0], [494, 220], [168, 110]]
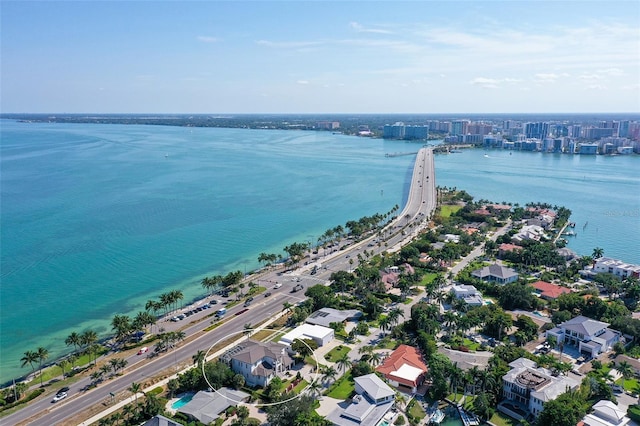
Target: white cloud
[[487, 83], [611, 71], [361, 29], [288, 44], [303, 82], [207, 39], [596, 87]]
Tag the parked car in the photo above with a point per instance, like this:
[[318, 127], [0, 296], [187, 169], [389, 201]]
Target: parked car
[[214, 302], [278, 285]]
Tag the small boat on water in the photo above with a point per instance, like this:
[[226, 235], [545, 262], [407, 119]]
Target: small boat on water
[[435, 416]]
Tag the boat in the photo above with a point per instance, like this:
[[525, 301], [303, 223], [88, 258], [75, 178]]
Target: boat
[[569, 233], [585, 225], [486, 156], [435, 416]]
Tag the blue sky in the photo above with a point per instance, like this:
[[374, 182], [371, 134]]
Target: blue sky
[[320, 57]]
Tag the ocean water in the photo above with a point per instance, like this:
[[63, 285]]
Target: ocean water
[[98, 219]]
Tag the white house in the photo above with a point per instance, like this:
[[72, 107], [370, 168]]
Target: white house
[[616, 267], [591, 337], [606, 413], [529, 232], [527, 387], [374, 398], [468, 293], [258, 362], [321, 335]]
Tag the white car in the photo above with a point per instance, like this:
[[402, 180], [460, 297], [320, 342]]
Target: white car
[[59, 396], [278, 285]]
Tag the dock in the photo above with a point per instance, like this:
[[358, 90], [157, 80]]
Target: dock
[[399, 154], [467, 418]]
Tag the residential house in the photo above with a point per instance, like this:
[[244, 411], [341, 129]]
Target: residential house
[[373, 399], [507, 248], [321, 335], [616, 267], [206, 407], [159, 420], [605, 413], [591, 337], [527, 387], [496, 273], [404, 369], [258, 362], [325, 316], [530, 232], [468, 293], [549, 291]]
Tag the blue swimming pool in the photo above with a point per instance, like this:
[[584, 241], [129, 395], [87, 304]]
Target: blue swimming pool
[[181, 402]]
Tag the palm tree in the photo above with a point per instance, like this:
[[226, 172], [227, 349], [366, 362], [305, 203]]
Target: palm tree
[[248, 329], [328, 373], [598, 252], [199, 358], [395, 314], [43, 355], [30, 357], [135, 390], [286, 306], [385, 324], [75, 340], [344, 362], [625, 369], [63, 363], [87, 339], [314, 389]]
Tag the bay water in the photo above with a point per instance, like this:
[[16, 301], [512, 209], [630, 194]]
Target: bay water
[[98, 219]]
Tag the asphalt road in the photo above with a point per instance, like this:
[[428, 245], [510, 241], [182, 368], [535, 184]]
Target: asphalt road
[[420, 204]]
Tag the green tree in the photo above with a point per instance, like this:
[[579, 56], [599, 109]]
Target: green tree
[[30, 357], [566, 410], [304, 347], [43, 355], [344, 362]]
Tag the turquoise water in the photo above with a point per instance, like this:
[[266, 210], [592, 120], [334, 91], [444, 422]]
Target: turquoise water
[[181, 402], [97, 219]]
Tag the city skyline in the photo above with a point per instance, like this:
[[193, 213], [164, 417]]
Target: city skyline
[[320, 57]]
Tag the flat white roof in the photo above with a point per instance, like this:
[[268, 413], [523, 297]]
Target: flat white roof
[[306, 331], [407, 372]]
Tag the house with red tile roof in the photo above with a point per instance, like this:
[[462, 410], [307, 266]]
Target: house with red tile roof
[[404, 369], [549, 291], [507, 248]]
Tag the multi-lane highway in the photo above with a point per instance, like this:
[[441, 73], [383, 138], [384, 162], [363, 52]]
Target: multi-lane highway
[[420, 204]]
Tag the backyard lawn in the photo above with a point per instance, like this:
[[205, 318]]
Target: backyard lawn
[[343, 388], [336, 353], [500, 419]]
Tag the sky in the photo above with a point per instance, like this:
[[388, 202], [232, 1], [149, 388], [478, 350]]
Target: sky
[[319, 56]]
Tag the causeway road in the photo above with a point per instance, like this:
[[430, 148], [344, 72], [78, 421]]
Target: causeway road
[[421, 203]]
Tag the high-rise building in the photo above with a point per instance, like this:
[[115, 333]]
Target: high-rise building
[[393, 131], [536, 130], [459, 127]]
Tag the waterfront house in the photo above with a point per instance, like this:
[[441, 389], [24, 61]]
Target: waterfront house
[[527, 387], [591, 337], [373, 399], [616, 267], [258, 362], [206, 407], [404, 369], [496, 273], [530, 232]]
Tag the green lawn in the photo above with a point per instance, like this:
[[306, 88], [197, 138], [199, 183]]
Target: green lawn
[[416, 411], [298, 388], [343, 388], [336, 353], [630, 385], [447, 210], [500, 419], [428, 278]]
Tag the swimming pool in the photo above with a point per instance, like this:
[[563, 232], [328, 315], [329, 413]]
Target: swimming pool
[[181, 402]]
